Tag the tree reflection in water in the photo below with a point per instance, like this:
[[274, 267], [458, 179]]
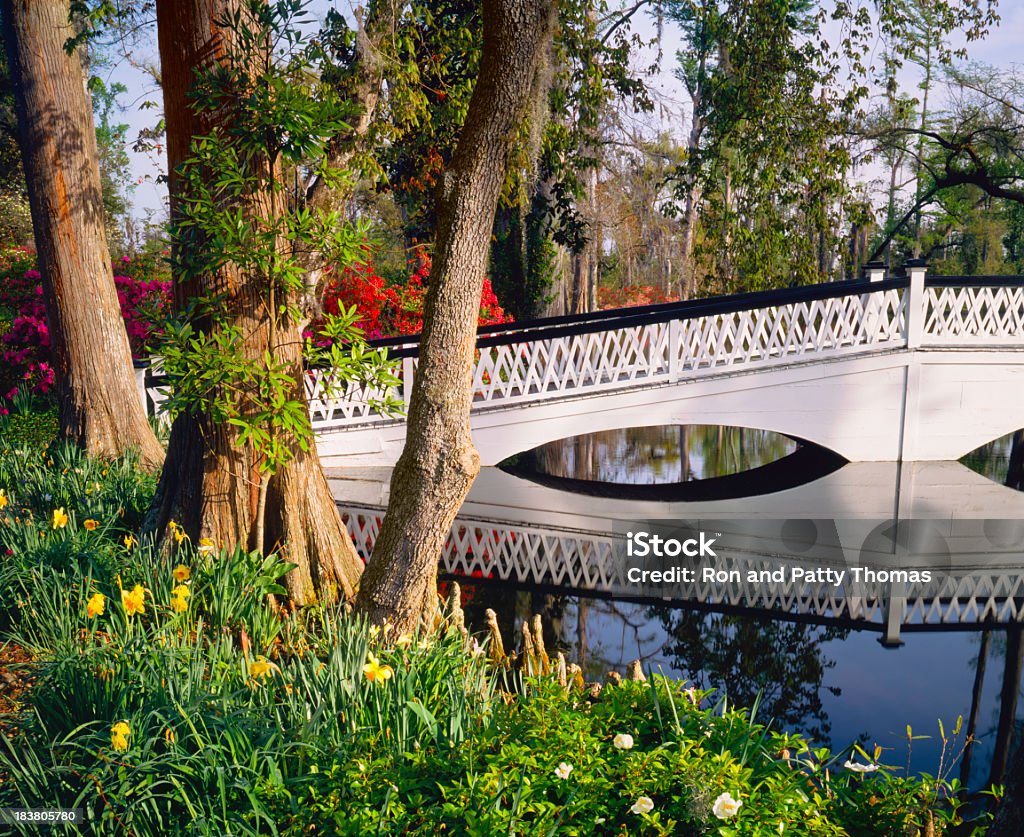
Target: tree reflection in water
[[657, 455], [780, 664]]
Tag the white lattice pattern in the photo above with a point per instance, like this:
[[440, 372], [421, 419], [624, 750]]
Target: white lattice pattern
[[645, 355], [625, 356], [586, 562], [974, 315]]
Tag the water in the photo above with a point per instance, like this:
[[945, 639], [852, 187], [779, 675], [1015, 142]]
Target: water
[[533, 537]]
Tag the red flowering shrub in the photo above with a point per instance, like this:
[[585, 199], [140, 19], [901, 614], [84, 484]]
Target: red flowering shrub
[[391, 310], [145, 304], [631, 295]]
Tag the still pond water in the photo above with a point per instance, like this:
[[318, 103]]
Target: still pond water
[[832, 680]]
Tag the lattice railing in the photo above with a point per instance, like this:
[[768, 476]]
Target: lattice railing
[[974, 314], [544, 363], [652, 345], [586, 562]]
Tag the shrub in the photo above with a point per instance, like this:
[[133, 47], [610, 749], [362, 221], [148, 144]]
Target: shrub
[[169, 698], [388, 310], [631, 295], [145, 304]]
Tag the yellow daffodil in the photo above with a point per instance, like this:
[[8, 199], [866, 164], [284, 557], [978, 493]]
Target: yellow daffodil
[[375, 672], [181, 573], [170, 736], [129, 541], [59, 519], [3, 499], [179, 599], [90, 524], [403, 641], [134, 601], [96, 605], [119, 736], [206, 545], [260, 667], [179, 535]]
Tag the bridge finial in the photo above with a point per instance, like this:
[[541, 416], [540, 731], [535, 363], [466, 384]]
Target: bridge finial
[[874, 271]]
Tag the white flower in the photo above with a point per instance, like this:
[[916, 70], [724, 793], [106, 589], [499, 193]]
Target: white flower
[[476, 649], [644, 805], [725, 806], [563, 770], [623, 741], [598, 820], [860, 768]]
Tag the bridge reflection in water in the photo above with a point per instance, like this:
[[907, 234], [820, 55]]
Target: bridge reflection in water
[[967, 531], [940, 516]]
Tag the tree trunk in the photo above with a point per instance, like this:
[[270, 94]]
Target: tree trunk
[[439, 462], [972, 718], [210, 484], [99, 402], [1005, 727]]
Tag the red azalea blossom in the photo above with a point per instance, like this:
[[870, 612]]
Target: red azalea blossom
[[631, 295], [387, 310]]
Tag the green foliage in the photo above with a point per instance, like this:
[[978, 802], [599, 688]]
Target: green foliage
[[35, 427], [231, 356], [186, 705], [770, 163]]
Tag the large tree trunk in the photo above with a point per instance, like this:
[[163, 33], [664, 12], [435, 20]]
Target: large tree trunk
[[439, 462], [99, 402], [210, 484]]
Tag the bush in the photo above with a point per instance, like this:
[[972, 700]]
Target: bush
[[388, 310], [145, 304], [169, 698], [630, 295]]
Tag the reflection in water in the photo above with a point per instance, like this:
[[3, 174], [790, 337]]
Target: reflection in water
[[797, 672], [780, 664], [1001, 461], [656, 455]]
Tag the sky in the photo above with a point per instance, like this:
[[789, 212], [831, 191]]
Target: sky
[[1003, 47]]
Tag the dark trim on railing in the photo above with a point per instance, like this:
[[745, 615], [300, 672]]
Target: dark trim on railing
[[1001, 281], [514, 333]]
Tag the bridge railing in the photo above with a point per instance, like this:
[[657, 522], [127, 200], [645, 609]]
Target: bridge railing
[[973, 311], [583, 562], [577, 355], [654, 344]]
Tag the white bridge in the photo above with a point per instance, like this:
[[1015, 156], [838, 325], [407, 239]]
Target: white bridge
[[915, 368], [903, 369], [964, 529]]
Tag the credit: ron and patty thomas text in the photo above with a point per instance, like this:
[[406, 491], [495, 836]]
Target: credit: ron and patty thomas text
[[646, 545]]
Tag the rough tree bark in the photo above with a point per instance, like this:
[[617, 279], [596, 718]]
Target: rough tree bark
[[439, 462], [210, 484], [99, 402]]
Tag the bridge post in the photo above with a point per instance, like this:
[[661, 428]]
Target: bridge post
[[675, 359], [874, 271], [895, 602], [407, 365], [915, 309]]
